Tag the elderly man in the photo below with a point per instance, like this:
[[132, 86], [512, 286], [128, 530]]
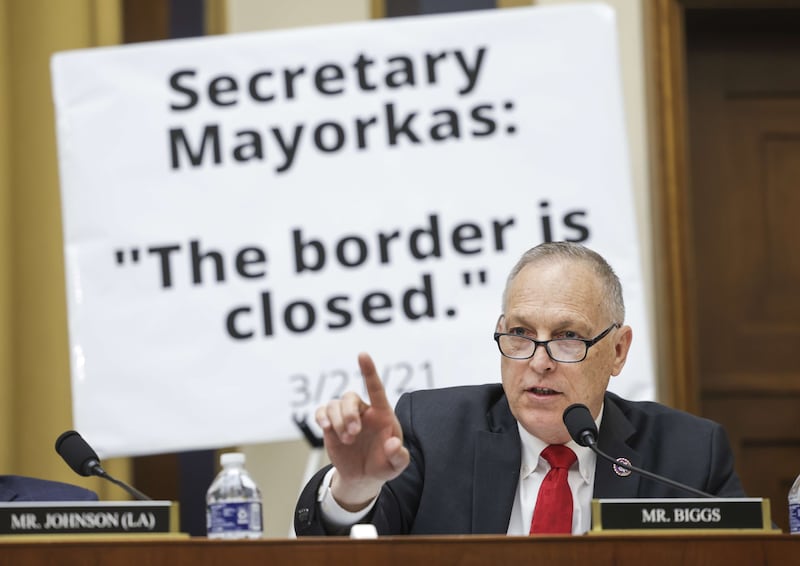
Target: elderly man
[[488, 458]]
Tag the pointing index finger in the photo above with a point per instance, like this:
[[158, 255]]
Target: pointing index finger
[[375, 390]]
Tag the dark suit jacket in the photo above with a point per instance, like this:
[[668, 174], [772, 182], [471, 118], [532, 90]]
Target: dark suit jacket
[[22, 488], [466, 456]]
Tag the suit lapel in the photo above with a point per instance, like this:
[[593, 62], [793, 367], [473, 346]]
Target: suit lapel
[[615, 430], [496, 469]]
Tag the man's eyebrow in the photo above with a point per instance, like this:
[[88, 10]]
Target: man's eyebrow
[[568, 323], [516, 320]]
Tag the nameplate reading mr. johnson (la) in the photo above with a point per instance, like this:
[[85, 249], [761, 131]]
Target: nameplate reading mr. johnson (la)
[[95, 517]]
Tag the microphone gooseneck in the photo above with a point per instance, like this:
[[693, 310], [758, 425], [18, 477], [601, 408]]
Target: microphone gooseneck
[[583, 430], [84, 461]]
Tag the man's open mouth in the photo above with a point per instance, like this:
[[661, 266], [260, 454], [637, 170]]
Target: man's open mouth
[[543, 391]]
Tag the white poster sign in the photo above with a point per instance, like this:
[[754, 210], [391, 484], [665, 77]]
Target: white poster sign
[[244, 214]]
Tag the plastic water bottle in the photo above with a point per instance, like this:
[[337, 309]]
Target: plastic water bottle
[[233, 501], [794, 508]]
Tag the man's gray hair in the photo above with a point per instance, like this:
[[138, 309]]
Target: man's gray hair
[[569, 251]]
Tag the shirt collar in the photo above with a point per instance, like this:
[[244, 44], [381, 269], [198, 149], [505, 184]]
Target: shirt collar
[[532, 449]]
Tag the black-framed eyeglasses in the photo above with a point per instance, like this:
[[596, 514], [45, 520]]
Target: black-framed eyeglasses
[[564, 350]]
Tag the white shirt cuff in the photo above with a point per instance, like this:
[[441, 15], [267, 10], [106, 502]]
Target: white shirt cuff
[[333, 515]]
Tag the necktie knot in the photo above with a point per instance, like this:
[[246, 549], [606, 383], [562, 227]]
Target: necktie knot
[[559, 456]]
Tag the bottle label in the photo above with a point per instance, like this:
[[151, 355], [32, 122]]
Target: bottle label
[[243, 516], [794, 518]]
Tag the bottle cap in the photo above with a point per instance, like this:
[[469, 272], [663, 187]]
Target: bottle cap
[[231, 458]]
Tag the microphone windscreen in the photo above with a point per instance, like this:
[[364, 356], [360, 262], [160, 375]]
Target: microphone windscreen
[[579, 421], [76, 452]]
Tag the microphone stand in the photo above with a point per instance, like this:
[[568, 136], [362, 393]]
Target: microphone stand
[[97, 470]]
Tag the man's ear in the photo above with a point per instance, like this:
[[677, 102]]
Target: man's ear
[[622, 345]]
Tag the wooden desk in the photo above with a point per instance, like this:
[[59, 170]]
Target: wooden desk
[[639, 550]]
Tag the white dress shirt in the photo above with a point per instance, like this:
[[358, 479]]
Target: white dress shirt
[[532, 471]]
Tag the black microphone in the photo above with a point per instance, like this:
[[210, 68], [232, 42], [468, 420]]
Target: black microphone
[[84, 461], [583, 430]]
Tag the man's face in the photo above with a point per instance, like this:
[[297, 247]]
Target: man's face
[[559, 299]]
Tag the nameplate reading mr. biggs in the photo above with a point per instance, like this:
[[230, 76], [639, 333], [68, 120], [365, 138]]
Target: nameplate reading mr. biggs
[[26, 518], [681, 514]]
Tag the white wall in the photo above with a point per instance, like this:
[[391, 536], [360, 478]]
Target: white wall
[[279, 468]]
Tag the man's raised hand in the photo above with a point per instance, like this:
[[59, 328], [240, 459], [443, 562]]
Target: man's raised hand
[[364, 441]]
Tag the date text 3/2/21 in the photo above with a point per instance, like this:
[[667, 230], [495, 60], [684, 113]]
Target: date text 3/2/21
[[310, 390]]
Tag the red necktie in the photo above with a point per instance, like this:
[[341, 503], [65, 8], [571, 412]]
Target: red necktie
[[553, 512]]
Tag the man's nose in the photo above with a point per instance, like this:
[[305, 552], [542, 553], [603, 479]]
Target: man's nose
[[541, 362]]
